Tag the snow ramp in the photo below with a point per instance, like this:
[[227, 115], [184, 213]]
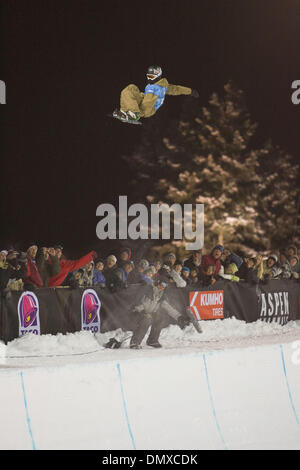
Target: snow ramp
[[247, 398]]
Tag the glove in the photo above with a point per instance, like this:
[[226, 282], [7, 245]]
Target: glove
[[195, 94], [94, 254]]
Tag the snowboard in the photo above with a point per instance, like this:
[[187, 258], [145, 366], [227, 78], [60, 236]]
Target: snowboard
[[128, 121], [113, 343]]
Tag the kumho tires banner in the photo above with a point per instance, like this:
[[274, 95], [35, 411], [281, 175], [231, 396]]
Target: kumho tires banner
[[207, 305]]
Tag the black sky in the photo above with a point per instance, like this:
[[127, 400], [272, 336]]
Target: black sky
[[64, 63]]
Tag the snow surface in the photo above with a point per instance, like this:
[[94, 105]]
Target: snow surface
[[31, 350], [235, 386]]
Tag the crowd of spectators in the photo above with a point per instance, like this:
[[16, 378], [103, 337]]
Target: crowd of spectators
[[48, 267]]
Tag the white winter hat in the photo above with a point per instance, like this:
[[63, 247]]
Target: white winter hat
[[4, 252], [32, 246], [144, 263], [112, 257]]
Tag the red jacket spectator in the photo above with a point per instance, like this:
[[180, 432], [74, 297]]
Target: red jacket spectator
[[213, 259], [68, 266], [33, 275]]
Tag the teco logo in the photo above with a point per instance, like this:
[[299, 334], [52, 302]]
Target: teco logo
[[2, 92]]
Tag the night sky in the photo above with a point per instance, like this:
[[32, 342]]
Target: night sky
[[65, 62]]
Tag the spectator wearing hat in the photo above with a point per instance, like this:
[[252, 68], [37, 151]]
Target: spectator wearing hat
[[175, 275], [231, 258], [185, 274], [17, 271], [110, 272], [229, 272], [291, 251], [147, 276], [123, 272], [48, 264], [170, 259], [285, 265], [33, 277], [283, 256], [167, 267], [59, 251], [88, 274], [248, 270], [194, 261], [158, 264], [68, 266], [271, 268], [194, 276], [98, 277], [153, 268], [76, 279], [137, 275], [125, 255], [5, 270], [214, 258]]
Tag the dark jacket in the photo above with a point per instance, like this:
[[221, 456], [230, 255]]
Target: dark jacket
[[189, 263], [247, 274], [233, 258], [5, 274], [47, 268], [205, 280], [113, 281]]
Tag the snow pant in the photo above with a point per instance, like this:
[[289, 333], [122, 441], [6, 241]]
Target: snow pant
[[144, 323], [131, 99], [157, 320]]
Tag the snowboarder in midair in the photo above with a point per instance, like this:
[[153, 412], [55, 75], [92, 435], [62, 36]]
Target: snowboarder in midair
[[135, 105]]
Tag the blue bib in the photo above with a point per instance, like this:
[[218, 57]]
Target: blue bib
[[159, 91]]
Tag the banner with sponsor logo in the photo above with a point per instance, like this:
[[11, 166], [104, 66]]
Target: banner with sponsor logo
[[278, 303], [207, 305], [63, 310], [90, 311], [29, 314]]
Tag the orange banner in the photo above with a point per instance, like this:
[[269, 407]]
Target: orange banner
[[207, 305]]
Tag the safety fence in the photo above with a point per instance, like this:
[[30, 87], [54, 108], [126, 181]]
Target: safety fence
[[66, 310]]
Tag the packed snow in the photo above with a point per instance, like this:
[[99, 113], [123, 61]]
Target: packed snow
[[83, 346]]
